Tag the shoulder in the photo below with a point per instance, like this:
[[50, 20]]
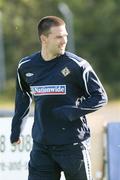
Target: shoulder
[[79, 61], [28, 60]]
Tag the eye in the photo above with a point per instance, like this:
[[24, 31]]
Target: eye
[[59, 37]]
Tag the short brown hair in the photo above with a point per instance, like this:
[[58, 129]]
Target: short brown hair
[[47, 22]]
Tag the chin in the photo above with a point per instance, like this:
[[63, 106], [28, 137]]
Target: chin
[[62, 51]]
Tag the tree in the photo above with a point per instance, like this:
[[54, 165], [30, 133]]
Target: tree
[[96, 26]]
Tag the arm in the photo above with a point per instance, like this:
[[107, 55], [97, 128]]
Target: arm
[[22, 106], [94, 96]]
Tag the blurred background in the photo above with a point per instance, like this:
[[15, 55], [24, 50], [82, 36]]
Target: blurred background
[[94, 34]]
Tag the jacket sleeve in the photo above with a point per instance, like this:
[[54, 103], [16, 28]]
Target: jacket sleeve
[[22, 105], [94, 96]]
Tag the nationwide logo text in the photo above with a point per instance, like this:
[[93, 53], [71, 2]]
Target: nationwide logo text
[[48, 90]]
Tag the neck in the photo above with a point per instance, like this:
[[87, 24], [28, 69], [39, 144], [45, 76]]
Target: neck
[[47, 56]]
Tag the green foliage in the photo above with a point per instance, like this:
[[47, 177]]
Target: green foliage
[[96, 26], [8, 94]]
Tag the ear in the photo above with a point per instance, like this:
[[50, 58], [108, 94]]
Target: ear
[[43, 38]]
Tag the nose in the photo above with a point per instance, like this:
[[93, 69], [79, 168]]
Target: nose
[[64, 40]]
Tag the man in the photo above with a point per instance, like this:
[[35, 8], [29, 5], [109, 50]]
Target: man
[[65, 88]]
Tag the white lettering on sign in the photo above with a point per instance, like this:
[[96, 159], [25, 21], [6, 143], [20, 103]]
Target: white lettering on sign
[[14, 158]]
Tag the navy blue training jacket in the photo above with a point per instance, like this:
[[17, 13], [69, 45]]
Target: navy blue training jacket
[[64, 89]]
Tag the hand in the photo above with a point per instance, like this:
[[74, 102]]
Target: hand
[[17, 142]]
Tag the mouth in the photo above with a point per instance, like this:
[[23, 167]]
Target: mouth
[[62, 47], [61, 50]]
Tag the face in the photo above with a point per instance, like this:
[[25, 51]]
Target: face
[[55, 42]]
